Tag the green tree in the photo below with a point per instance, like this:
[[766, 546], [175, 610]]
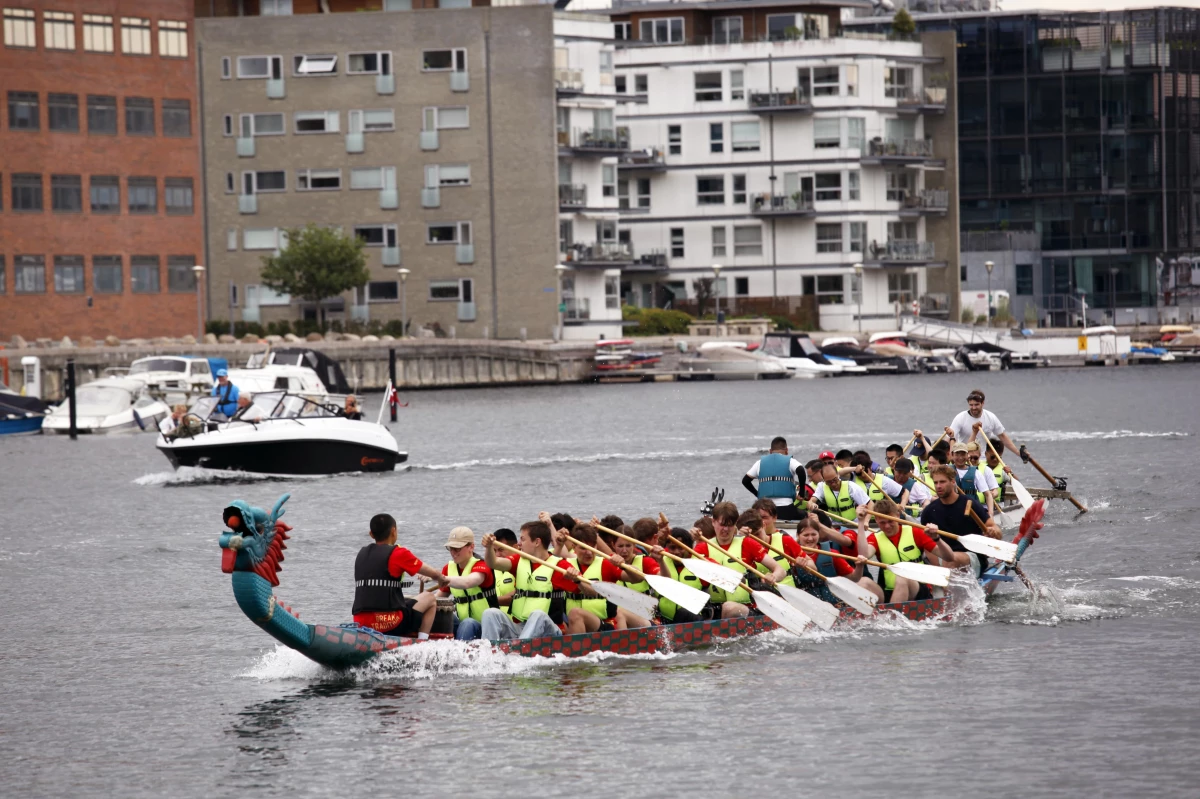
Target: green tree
[[903, 24], [318, 263]]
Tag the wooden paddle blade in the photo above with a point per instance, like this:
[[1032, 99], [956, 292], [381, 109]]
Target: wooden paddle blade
[[992, 547], [692, 599], [853, 595], [922, 573], [643, 605], [823, 614], [721, 576], [780, 612], [1023, 495]]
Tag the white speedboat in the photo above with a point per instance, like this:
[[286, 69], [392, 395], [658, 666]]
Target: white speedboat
[[281, 433], [174, 378], [730, 360], [797, 353], [108, 405]]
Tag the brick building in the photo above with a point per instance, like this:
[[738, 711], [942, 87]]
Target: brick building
[[100, 180]]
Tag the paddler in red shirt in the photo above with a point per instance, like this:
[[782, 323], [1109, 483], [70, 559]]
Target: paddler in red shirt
[[588, 612], [900, 544], [748, 549], [379, 601], [470, 581], [539, 604]]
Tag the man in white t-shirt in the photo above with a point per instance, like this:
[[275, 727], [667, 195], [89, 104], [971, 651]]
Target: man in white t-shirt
[[974, 421]]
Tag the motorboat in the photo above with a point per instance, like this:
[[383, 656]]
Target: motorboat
[[109, 405], [730, 360], [20, 414], [615, 355], [328, 370], [176, 378], [276, 377], [280, 432], [838, 348], [797, 353]]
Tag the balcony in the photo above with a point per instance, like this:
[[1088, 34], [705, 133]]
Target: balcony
[[779, 102], [606, 254], [568, 81], [650, 159], [390, 256], [360, 313], [429, 140], [245, 147], [993, 240], [355, 143], [571, 196], [385, 84], [652, 261], [901, 251], [466, 312], [929, 98], [935, 201], [248, 204], [594, 141], [431, 197], [460, 81], [276, 89], [389, 199], [464, 253], [795, 204], [898, 151]]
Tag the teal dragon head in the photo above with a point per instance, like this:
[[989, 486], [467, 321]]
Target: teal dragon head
[[255, 540]]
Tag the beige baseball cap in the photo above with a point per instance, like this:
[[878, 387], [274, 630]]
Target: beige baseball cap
[[959, 447], [460, 536], [972, 447]]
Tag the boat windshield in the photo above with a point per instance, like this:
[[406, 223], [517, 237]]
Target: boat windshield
[[103, 399], [294, 406], [157, 365], [203, 407]]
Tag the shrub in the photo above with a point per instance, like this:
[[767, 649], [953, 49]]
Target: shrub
[[968, 316], [655, 321]]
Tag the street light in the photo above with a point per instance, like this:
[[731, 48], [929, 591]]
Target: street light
[[560, 269], [858, 270], [198, 271], [717, 290], [404, 273], [989, 266], [1112, 291]]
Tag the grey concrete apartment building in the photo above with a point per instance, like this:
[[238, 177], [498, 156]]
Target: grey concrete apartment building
[[430, 134]]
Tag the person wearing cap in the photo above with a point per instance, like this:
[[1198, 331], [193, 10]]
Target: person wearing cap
[[470, 582], [989, 476], [778, 478], [975, 421], [971, 481], [226, 394]]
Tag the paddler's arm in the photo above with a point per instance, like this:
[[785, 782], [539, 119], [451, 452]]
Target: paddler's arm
[[942, 550], [833, 535], [463, 582], [489, 556], [748, 482], [428, 571], [777, 572], [1008, 442]]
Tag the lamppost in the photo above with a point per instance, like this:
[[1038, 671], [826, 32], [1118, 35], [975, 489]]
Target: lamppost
[[1112, 292], [560, 269], [198, 271], [858, 272], [717, 290], [404, 273], [989, 266], [1083, 304]]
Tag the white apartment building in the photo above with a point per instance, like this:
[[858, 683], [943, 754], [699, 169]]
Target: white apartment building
[[795, 156]]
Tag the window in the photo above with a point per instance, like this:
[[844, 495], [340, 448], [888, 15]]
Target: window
[[739, 189], [606, 66], [68, 274], [856, 132], [668, 30], [3, 277], [97, 33], [829, 237], [674, 139], [825, 81], [902, 288], [58, 30], [260, 239], [1024, 275], [23, 111], [227, 125], [106, 274], [830, 290], [180, 277], [642, 196], [139, 116], [737, 84], [177, 118], [899, 185], [275, 8], [26, 192], [718, 241], [449, 290], [226, 68], [101, 113], [858, 237], [63, 111], [612, 292], [897, 82], [177, 195], [369, 63], [641, 84], [454, 60], [727, 30], [66, 193], [716, 137], [230, 184], [372, 121], [708, 86], [105, 191], [676, 242], [451, 175], [608, 180], [710, 190], [264, 182], [782, 27], [745, 136], [172, 38], [902, 231], [566, 235], [143, 195], [448, 233], [619, 84], [308, 65], [318, 179], [621, 31], [445, 118], [851, 72], [383, 291], [828, 186], [262, 125], [852, 185], [316, 121], [741, 286], [827, 133], [29, 274], [747, 240], [373, 177], [231, 239], [259, 67], [135, 36], [143, 272], [20, 27]]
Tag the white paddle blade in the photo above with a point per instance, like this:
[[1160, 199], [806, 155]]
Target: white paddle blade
[[780, 612], [1023, 495], [1009, 519], [692, 599], [992, 547], [853, 595], [722, 577], [823, 614], [922, 573], [642, 605]]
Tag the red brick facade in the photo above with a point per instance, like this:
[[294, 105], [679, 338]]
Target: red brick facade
[[85, 309]]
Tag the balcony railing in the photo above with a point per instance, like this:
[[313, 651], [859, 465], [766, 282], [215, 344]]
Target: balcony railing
[[460, 81], [927, 95], [796, 203], [903, 250], [601, 252], [654, 259], [795, 100], [572, 195], [928, 199], [648, 158], [900, 148], [1003, 240], [600, 139], [568, 80], [247, 203]]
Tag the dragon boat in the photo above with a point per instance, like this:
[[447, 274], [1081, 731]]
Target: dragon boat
[[254, 553]]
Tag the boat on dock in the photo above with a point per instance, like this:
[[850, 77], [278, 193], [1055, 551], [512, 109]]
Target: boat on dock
[[109, 405], [20, 414], [730, 360]]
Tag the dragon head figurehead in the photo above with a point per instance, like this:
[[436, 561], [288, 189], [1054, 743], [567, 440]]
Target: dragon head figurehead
[[255, 540]]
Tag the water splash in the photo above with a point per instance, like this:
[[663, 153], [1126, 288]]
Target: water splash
[[589, 458], [195, 475]]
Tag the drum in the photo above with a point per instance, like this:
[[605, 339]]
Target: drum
[[443, 622]]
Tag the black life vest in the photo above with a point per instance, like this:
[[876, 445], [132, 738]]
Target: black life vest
[[375, 589]]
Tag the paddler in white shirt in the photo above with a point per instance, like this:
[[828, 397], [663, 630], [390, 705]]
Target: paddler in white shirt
[[838, 497], [975, 421]]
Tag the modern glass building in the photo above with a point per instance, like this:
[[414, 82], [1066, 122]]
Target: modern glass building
[[1084, 129]]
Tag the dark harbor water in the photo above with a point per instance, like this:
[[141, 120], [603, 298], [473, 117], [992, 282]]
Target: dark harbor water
[[128, 670]]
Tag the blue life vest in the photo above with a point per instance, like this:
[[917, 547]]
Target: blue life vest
[[825, 562], [775, 478], [966, 484]]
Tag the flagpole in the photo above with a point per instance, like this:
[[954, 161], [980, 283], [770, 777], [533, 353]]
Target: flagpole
[[387, 398]]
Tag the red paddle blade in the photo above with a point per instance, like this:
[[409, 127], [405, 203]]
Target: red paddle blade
[[1031, 522]]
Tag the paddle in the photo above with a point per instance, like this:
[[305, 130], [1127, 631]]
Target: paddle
[[693, 599], [912, 570], [706, 570], [1053, 482], [993, 548], [1023, 495], [640, 604], [848, 591]]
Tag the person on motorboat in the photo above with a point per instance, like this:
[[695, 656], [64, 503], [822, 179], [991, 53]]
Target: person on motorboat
[[539, 604], [227, 394], [949, 512], [247, 411], [351, 410], [470, 582], [778, 477], [379, 601], [900, 544], [975, 420], [837, 497], [170, 424]]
